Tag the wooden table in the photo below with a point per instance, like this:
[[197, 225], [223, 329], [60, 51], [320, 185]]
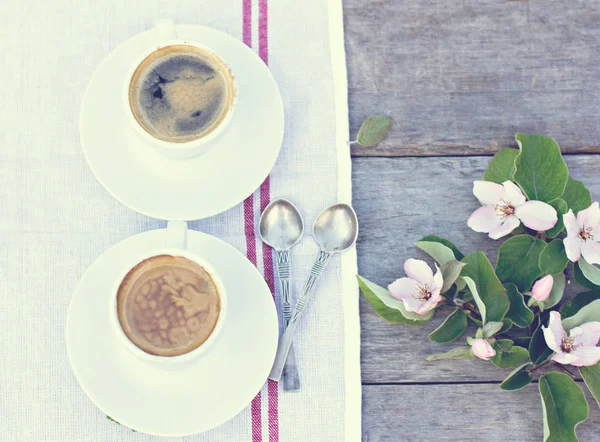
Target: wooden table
[[460, 78]]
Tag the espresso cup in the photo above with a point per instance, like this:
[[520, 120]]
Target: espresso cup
[[179, 96], [173, 311]]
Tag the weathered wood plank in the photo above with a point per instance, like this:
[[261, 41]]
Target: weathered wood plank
[[460, 78], [416, 413], [398, 201]]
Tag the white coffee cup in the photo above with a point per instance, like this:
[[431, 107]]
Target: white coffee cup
[[175, 245], [167, 36]]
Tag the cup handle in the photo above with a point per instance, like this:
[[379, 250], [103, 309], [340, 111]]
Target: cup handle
[[177, 234], [165, 29]]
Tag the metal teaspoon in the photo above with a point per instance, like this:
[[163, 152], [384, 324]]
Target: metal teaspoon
[[281, 227], [334, 230]]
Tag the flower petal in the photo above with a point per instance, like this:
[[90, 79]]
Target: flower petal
[[564, 358], [542, 288], [419, 271], [438, 281], [587, 334], [591, 251], [513, 194], [537, 215], [482, 349], [510, 224], [484, 219], [487, 192], [585, 356], [589, 217], [428, 305], [571, 223], [554, 333], [403, 288], [413, 304], [573, 247]]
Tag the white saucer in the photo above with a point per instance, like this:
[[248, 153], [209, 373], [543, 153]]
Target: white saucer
[[195, 188], [173, 403]]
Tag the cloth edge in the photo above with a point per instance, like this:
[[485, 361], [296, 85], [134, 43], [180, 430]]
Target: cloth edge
[[352, 377]]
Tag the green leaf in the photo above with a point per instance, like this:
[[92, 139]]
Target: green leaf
[[437, 251], [591, 377], [574, 305], [561, 208], [388, 307], [564, 407], [455, 353], [501, 167], [476, 321], [119, 423], [556, 294], [589, 313], [508, 355], [539, 168], [450, 272], [506, 325], [452, 327], [576, 195], [591, 272], [434, 238], [373, 130], [518, 261], [580, 278], [522, 341], [553, 259], [518, 312], [487, 290], [518, 378], [491, 328], [538, 350]]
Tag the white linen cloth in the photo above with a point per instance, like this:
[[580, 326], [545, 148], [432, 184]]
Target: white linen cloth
[[57, 219]]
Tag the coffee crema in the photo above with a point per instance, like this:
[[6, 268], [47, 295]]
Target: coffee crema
[[168, 305], [181, 93]]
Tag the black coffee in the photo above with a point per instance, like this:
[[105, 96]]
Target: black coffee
[[181, 93]]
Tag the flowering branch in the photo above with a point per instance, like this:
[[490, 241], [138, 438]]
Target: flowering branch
[[517, 306]]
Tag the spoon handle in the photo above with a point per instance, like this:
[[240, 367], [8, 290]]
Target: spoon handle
[[285, 342], [291, 378]]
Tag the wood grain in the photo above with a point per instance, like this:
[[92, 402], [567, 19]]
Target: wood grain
[[398, 201], [461, 78], [417, 413]]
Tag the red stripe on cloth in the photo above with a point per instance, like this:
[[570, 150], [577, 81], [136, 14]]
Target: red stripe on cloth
[[247, 22], [263, 30], [265, 199], [255, 407], [272, 386]]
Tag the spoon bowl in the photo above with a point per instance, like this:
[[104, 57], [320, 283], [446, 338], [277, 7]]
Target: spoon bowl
[[336, 228], [281, 225]]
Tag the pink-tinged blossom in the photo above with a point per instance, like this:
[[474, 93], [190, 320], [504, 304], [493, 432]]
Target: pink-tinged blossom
[[505, 207], [542, 288], [579, 348], [583, 234], [482, 349], [420, 292]]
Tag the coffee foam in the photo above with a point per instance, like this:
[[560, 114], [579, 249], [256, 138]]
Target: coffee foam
[[181, 93], [168, 305]]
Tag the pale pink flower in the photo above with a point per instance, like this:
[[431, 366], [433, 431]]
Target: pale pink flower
[[482, 349], [583, 234], [542, 288], [420, 292], [505, 208], [579, 348]]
